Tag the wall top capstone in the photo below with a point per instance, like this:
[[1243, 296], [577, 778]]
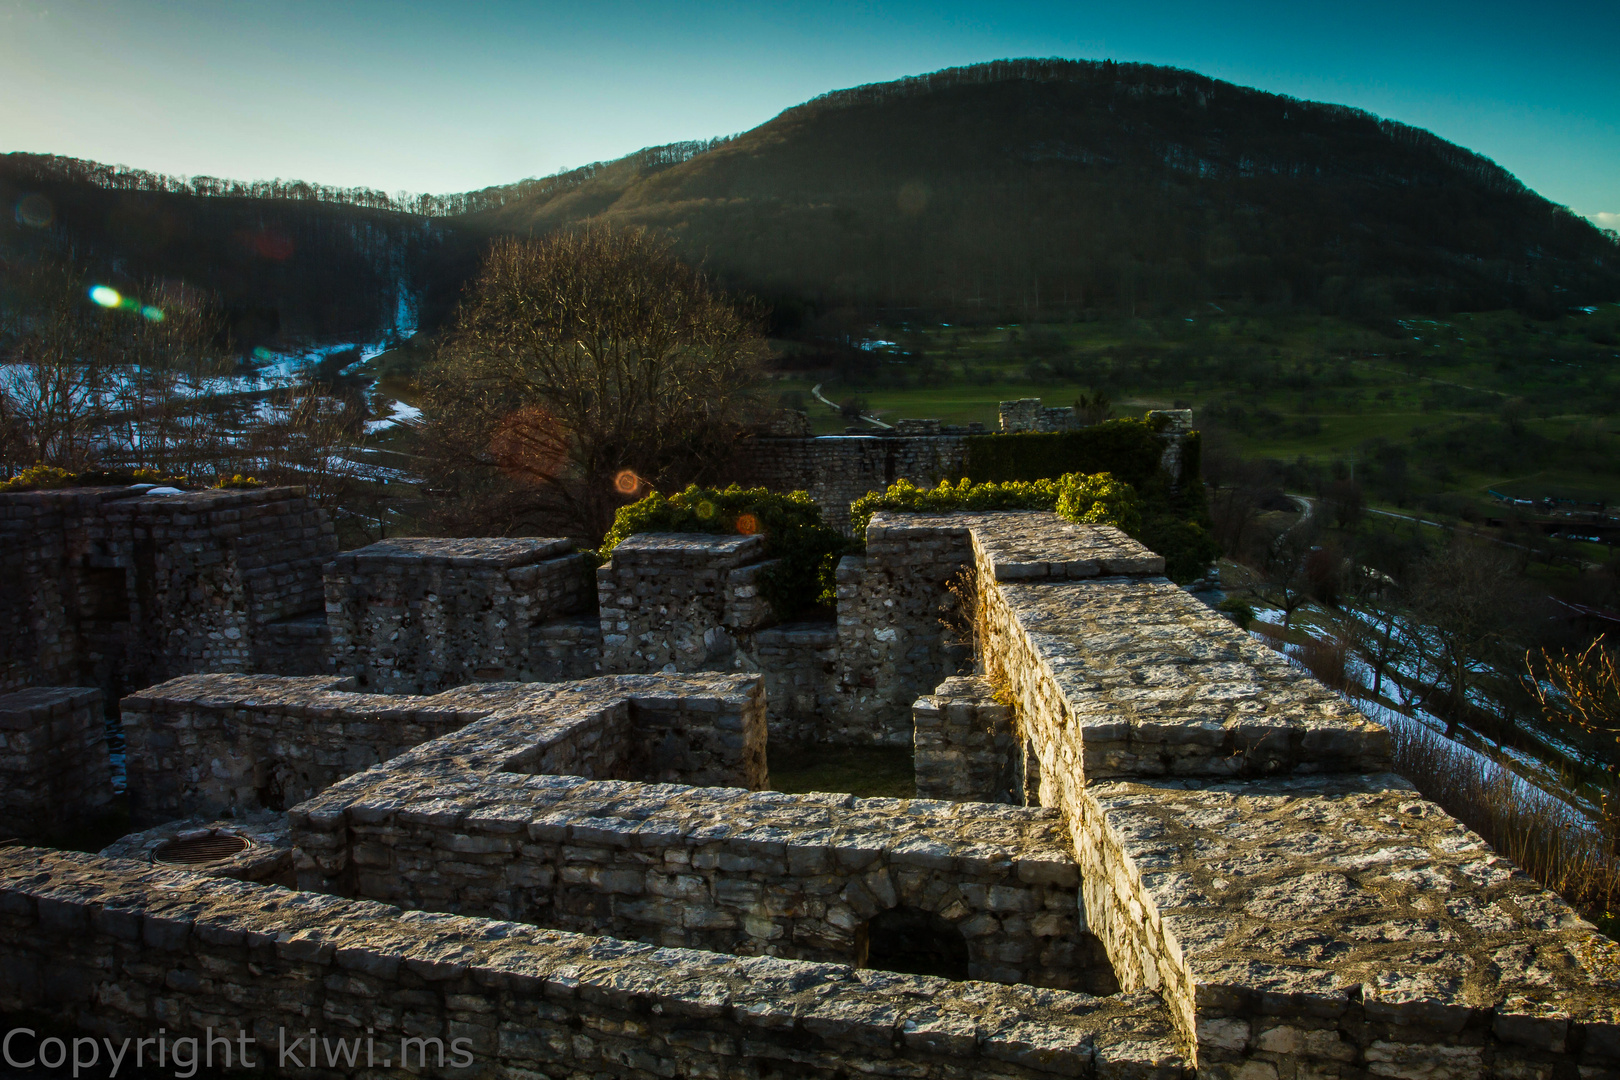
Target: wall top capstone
[[496, 552]]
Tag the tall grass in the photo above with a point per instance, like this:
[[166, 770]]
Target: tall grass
[[1542, 833]]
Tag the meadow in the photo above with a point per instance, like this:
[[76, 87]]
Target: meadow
[[1426, 414]]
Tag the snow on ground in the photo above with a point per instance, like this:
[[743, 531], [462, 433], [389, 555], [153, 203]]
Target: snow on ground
[[398, 413]]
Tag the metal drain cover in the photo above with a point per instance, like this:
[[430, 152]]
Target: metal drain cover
[[200, 849]]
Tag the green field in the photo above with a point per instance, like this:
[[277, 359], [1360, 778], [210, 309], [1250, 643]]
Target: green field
[[1426, 414]]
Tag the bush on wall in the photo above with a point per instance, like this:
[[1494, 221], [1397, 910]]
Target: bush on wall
[[1093, 500], [1171, 525], [791, 523], [48, 477]]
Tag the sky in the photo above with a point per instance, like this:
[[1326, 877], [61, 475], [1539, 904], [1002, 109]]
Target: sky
[[442, 97]]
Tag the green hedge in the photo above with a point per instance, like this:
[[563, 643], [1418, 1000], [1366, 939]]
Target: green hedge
[[791, 523], [1127, 449], [1094, 500], [1173, 523]]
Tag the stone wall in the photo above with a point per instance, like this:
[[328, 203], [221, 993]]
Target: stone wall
[[686, 602], [218, 744], [1342, 925], [454, 826], [1027, 414], [414, 616], [966, 747], [119, 950], [799, 662], [118, 589], [892, 644], [1244, 854], [676, 602], [54, 768], [838, 469], [234, 744]]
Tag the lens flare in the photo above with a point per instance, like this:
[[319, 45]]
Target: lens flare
[[35, 211], [626, 482], [705, 509], [747, 524], [264, 354], [152, 314], [106, 296]]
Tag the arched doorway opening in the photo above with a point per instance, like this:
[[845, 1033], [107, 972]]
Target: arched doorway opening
[[914, 942]]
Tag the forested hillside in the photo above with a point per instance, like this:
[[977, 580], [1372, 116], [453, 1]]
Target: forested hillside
[[1053, 185], [1018, 189], [286, 261]]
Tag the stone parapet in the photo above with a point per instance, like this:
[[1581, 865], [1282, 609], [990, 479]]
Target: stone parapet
[[723, 869], [54, 765], [675, 602], [838, 469], [119, 949], [1341, 925], [418, 615], [1132, 677], [1027, 414]]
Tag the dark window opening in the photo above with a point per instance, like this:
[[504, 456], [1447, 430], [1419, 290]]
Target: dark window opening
[[913, 942], [104, 593]]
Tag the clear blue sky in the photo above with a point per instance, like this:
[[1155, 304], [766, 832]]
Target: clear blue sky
[[450, 96]]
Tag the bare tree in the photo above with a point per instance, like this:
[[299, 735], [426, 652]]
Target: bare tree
[[1580, 690], [56, 344], [1461, 597], [1284, 568], [1374, 628], [160, 408], [306, 435], [583, 367]]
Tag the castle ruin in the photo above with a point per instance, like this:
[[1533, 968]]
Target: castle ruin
[[484, 797]]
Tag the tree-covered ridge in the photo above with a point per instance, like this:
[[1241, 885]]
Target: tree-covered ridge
[[1020, 189]]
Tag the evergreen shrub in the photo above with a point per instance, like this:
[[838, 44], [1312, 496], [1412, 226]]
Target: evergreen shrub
[[791, 522]]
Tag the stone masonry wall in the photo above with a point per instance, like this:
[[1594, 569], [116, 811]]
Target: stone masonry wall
[[452, 826], [674, 602], [838, 469], [682, 602], [965, 745], [1243, 853], [120, 589], [217, 744], [799, 662], [1027, 414], [412, 616], [118, 949], [892, 644], [54, 767], [233, 744]]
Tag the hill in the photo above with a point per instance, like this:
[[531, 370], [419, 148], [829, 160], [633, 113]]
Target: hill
[[1024, 185], [1012, 190], [288, 261]]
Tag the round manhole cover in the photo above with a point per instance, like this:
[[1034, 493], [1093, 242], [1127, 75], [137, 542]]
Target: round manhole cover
[[200, 849]]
